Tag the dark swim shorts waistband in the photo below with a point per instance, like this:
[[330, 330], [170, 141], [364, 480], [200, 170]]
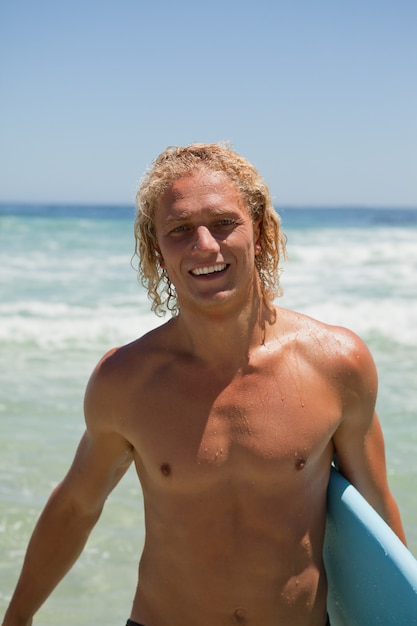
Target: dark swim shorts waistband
[[131, 623]]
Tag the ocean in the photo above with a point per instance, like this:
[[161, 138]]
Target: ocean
[[68, 293]]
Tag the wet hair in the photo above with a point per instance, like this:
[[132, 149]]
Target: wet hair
[[178, 162]]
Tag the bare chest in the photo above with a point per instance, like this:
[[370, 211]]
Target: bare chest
[[192, 429]]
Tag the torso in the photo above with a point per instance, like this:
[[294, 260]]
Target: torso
[[234, 470]]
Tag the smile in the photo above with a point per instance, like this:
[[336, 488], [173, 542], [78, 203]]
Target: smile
[[212, 269]]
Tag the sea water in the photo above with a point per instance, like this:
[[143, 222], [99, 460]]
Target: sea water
[[68, 293]]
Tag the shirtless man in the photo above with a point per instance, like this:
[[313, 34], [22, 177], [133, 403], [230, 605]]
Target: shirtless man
[[232, 412]]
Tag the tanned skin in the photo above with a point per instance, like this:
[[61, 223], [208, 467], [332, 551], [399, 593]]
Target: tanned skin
[[232, 413]]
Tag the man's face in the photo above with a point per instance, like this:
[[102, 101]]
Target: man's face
[[207, 240]]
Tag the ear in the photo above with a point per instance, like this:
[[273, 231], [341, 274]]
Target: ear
[[159, 257], [257, 235]]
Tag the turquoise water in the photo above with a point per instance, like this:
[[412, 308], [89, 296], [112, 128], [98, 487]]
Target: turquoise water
[[68, 293]]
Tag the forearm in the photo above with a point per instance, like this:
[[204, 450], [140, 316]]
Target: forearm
[[57, 540], [391, 515], [380, 498]]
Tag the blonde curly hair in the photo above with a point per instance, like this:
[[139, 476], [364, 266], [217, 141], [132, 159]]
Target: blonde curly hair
[[176, 162]]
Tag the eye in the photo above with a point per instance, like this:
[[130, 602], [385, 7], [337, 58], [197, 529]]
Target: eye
[[179, 230], [226, 222]]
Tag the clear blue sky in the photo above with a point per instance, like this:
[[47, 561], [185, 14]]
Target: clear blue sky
[[320, 95]]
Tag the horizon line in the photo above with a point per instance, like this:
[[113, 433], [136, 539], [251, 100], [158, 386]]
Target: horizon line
[[284, 206]]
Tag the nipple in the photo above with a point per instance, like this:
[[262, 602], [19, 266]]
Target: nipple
[[165, 469], [300, 464], [240, 616]]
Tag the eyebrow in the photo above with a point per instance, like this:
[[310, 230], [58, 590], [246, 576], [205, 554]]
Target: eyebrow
[[183, 216]]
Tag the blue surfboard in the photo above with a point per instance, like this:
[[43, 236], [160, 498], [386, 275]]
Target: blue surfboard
[[372, 576]]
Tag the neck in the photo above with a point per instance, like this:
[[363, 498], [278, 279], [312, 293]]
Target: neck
[[225, 339]]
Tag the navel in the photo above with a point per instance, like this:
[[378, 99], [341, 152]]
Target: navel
[[166, 469]]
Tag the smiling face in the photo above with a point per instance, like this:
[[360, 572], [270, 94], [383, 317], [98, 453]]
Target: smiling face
[[207, 241]]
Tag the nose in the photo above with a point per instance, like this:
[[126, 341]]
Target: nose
[[204, 240]]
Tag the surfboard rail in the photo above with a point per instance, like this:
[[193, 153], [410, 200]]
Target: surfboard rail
[[372, 577]]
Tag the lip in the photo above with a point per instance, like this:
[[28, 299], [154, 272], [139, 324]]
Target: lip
[[209, 271]]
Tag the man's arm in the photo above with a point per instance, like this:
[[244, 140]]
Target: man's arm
[[71, 512], [359, 441]]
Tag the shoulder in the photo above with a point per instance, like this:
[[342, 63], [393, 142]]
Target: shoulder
[[336, 348], [118, 372], [122, 362]]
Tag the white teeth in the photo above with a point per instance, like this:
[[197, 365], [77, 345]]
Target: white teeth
[[209, 270]]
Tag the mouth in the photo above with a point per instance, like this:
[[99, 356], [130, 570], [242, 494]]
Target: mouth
[[209, 270]]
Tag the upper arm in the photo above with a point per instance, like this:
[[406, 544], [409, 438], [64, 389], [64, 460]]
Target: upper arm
[[103, 454], [359, 441]]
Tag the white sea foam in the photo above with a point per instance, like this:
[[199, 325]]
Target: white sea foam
[[361, 279], [60, 324]]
